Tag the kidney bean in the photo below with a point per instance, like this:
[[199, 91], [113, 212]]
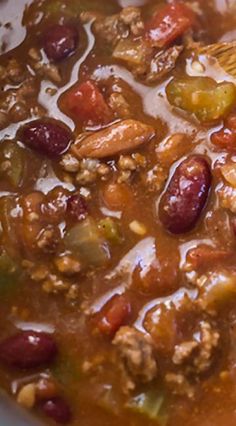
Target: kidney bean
[[114, 314], [60, 41], [57, 409], [48, 137], [28, 349], [77, 207], [186, 195]]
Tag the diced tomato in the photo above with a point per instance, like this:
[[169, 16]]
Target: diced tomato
[[169, 23], [85, 103], [114, 314], [226, 137]]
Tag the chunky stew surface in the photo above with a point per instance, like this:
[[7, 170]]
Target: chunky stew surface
[[118, 211]]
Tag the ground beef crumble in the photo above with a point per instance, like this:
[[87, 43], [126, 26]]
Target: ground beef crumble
[[114, 27], [136, 354], [198, 353], [179, 385], [162, 63]]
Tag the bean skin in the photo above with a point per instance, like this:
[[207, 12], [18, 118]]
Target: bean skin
[[186, 195], [48, 137], [28, 349], [57, 409], [60, 41]]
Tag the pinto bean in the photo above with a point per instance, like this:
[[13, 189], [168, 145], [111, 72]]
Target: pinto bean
[[28, 349], [186, 195], [127, 135], [55, 205], [117, 196]]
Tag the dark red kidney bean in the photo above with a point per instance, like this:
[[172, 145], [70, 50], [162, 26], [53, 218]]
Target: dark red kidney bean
[[60, 41], [182, 203], [48, 137], [28, 349], [57, 409], [77, 207]]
